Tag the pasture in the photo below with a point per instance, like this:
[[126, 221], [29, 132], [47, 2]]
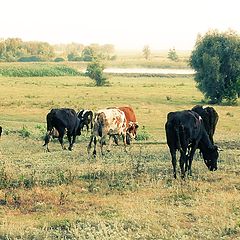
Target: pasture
[[133, 195]]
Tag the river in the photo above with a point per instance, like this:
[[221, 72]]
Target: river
[[149, 70]]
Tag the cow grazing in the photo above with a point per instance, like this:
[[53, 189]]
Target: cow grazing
[[108, 122], [132, 124], [210, 118], [0, 131], [185, 132], [61, 121], [86, 119]]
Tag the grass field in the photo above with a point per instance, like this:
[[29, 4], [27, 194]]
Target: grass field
[[63, 195]]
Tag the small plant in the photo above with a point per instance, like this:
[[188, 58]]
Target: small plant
[[24, 132], [168, 98], [229, 114], [143, 134]]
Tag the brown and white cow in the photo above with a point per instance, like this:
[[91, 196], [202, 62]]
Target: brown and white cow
[[108, 122], [132, 124]]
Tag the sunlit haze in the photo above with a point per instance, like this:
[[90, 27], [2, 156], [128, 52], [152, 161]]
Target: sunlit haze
[[127, 24]]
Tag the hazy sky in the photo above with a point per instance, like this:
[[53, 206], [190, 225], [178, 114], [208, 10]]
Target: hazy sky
[[128, 24]]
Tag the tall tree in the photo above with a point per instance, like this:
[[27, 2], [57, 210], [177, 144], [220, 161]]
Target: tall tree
[[216, 60], [172, 54], [146, 52]]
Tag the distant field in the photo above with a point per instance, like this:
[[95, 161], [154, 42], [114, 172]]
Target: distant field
[[157, 59], [123, 60], [63, 195]]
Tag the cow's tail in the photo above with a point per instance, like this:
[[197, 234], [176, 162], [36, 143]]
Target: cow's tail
[[49, 128], [180, 135]]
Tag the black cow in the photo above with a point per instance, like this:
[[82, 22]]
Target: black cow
[[210, 118], [185, 132], [0, 131], [86, 119], [61, 121]]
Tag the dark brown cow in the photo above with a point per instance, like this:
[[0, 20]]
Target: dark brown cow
[[210, 119], [185, 132], [60, 122]]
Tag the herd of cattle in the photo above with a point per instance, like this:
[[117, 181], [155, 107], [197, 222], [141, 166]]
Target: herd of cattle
[[110, 122], [186, 131]]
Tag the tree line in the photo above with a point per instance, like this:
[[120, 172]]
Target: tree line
[[17, 50]]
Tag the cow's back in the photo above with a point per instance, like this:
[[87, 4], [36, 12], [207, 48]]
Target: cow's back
[[188, 121], [62, 118], [129, 113], [112, 121], [210, 118]]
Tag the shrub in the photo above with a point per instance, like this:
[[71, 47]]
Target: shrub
[[30, 59], [95, 72], [24, 132], [59, 59]]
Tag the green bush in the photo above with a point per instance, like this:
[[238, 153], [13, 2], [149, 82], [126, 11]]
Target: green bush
[[143, 135], [95, 72], [30, 59], [59, 59], [24, 132]]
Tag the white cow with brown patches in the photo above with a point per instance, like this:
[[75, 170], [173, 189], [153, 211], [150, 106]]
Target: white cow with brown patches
[[108, 122]]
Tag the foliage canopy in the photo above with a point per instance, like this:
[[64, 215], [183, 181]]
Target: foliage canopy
[[216, 59], [95, 72]]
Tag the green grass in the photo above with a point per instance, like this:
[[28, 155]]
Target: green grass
[[65, 195], [37, 70]]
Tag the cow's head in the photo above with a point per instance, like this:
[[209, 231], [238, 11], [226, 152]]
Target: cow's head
[[210, 156], [131, 131]]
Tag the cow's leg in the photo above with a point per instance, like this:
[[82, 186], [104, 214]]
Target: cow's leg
[[95, 146], [102, 142], [110, 142], [71, 141], [183, 158], [47, 140], [60, 138], [174, 162], [124, 136], [89, 145], [190, 158]]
